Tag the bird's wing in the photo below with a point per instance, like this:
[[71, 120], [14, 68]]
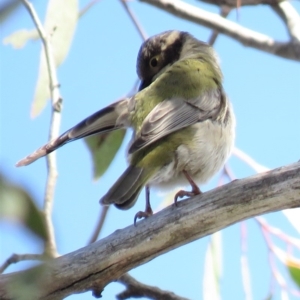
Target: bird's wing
[[104, 120], [174, 114]]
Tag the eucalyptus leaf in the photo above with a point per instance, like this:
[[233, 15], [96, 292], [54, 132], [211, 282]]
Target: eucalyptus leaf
[[60, 23], [213, 268], [295, 273], [18, 206], [103, 149]]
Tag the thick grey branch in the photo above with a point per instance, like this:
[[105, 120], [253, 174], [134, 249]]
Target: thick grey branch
[[244, 35], [94, 266]]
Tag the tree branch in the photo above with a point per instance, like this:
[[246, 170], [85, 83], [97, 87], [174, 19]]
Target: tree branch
[[94, 266], [50, 244], [135, 21], [14, 258], [290, 17], [244, 35]]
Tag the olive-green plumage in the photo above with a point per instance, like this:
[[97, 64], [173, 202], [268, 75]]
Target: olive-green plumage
[[182, 121]]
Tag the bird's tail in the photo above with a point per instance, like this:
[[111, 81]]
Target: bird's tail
[[124, 193], [103, 120]]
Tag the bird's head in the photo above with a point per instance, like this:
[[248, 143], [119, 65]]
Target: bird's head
[[160, 51]]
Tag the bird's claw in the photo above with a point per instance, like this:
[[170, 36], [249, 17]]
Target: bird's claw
[[183, 193], [142, 214]]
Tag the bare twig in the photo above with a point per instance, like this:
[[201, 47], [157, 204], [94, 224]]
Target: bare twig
[[136, 289], [87, 7], [135, 21], [249, 160], [101, 219], [225, 10], [244, 35], [104, 261], [50, 245], [265, 229], [14, 258], [245, 263], [104, 209], [279, 233]]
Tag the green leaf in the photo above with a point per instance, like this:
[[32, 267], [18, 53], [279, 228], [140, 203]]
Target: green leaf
[[103, 149], [17, 205], [295, 273], [60, 23]]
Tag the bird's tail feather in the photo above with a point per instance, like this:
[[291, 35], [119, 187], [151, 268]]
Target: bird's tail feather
[[124, 193], [102, 121]]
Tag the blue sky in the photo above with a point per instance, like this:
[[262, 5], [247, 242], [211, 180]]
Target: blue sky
[[99, 69]]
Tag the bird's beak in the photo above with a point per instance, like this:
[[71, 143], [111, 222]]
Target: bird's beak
[[144, 84]]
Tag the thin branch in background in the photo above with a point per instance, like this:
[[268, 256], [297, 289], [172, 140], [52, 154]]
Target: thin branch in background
[[272, 253], [225, 10], [245, 263], [275, 273], [104, 209], [135, 21], [249, 160], [226, 173], [14, 258], [239, 33], [50, 244], [278, 233], [136, 289], [134, 88], [99, 226], [87, 7]]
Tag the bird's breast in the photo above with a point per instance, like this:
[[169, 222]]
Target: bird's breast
[[202, 156]]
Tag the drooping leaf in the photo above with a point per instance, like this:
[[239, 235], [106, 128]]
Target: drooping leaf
[[60, 23], [291, 262], [245, 270], [17, 205], [103, 149], [213, 268]]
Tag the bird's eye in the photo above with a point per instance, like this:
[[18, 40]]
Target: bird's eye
[[154, 62]]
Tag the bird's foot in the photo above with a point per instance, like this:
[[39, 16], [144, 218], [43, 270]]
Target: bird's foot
[[195, 189], [143, 214], [183, 193]]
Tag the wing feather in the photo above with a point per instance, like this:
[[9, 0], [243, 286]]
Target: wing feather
[[174, 114]]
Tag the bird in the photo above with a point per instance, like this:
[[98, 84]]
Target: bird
[[182, 121]]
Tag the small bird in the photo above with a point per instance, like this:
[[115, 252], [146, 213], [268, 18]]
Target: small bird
[[183, 123]]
